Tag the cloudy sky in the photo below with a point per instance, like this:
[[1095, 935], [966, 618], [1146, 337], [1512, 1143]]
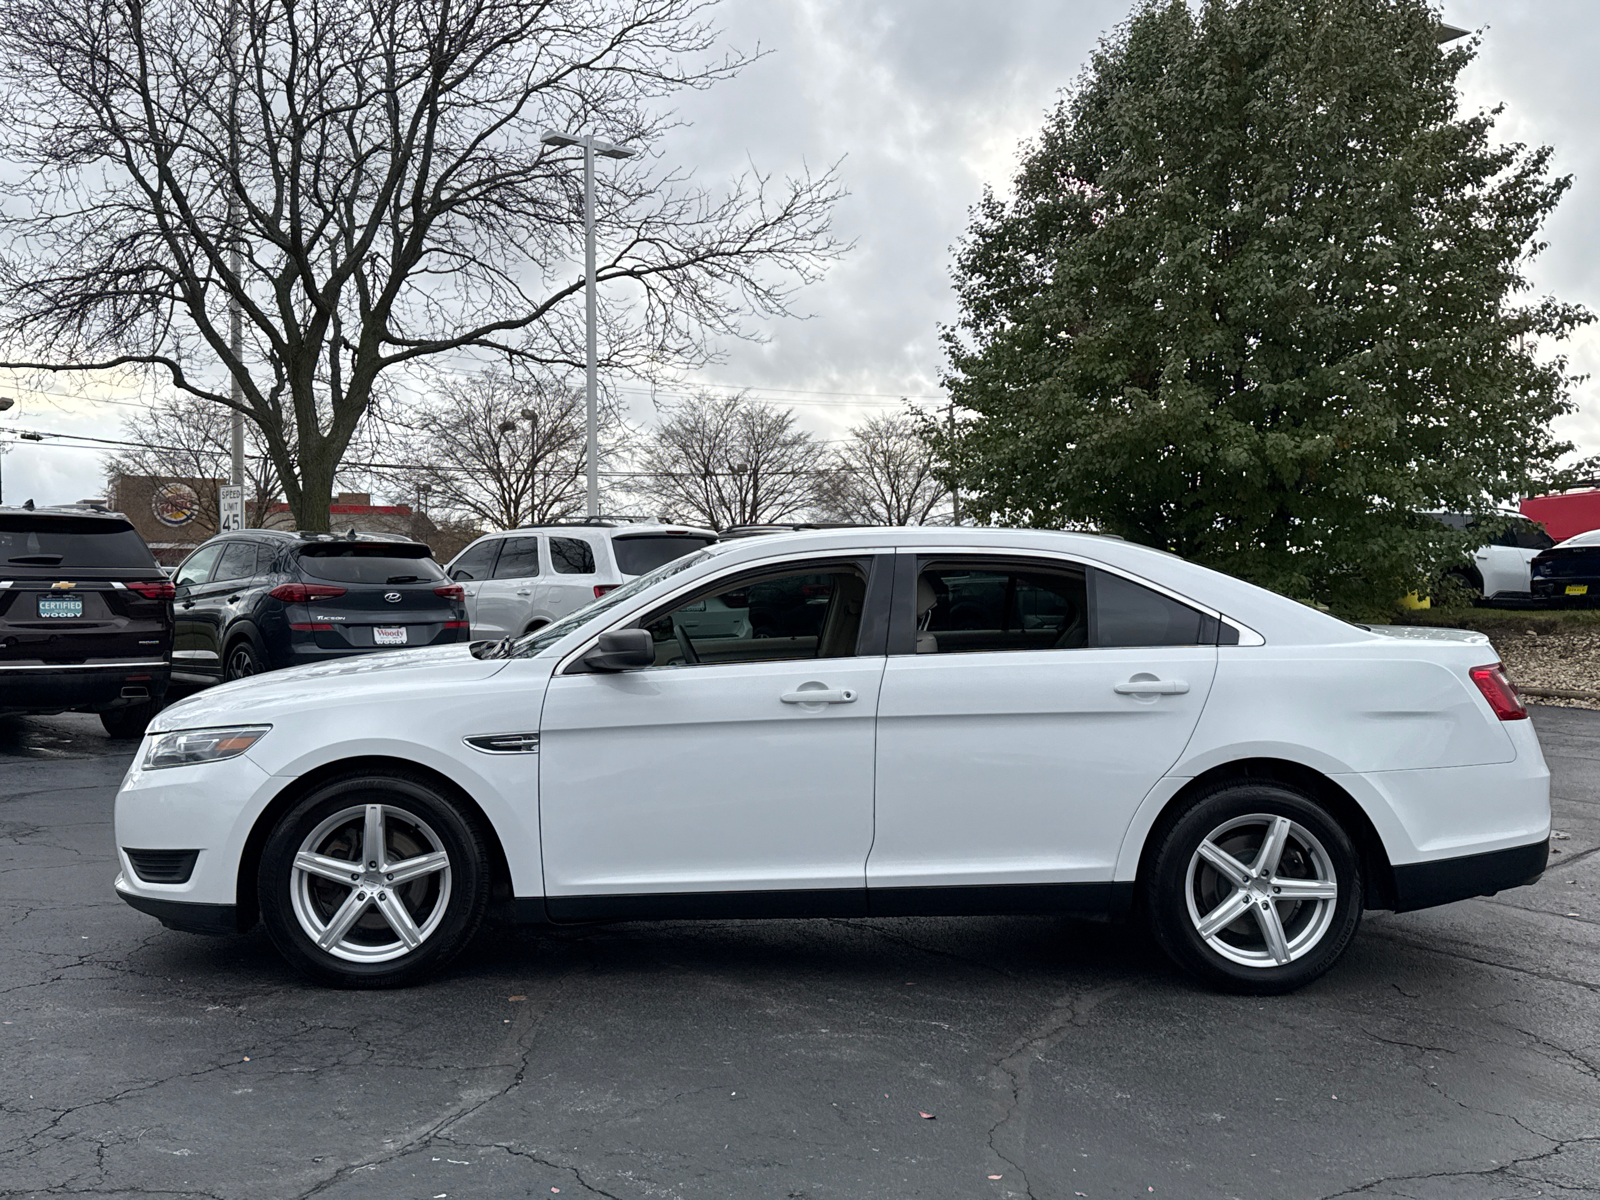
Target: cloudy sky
[[925, 102]]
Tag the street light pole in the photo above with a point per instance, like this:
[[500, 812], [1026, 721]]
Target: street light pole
[[6, 403], [591, 146]]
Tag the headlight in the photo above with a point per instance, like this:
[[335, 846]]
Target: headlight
[[187, 746]]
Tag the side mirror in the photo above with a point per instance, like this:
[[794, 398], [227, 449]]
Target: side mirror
[[622, 650]]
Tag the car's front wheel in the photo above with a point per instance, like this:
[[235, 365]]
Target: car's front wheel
[[373, 880], [1254, 888]]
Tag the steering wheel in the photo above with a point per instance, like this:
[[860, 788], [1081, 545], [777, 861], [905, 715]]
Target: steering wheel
[[684, 644]]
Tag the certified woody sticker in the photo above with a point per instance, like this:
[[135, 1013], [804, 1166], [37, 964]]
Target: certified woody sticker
[[175, 504]]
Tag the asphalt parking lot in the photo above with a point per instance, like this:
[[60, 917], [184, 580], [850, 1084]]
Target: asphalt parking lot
[[1455, 1053]]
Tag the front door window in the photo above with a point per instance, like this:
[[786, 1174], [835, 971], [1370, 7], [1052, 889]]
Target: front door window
[[809, 614]]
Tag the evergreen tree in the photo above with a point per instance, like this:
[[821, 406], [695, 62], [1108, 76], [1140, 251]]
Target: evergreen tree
[[1259, 300]]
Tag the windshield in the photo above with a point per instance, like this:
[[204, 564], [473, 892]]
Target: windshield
[[640, 552], [530, 644], [47, 541]]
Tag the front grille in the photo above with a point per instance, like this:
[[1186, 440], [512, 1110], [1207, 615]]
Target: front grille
[[162, 866]]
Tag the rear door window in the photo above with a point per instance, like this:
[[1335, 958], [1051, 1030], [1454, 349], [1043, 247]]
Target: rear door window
[[1129, 614], [31, 541], [238, 561], [963, 609], [638, 553], [475, 562], [369, 563], [197, 567], [519, 558], [570, 556]]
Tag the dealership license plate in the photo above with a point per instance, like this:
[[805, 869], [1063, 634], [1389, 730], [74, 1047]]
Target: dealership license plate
[[1577, 589], [389, 637], [55, 606]]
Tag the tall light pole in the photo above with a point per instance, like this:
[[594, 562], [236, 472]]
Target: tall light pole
[[6, 403], [591, 146]]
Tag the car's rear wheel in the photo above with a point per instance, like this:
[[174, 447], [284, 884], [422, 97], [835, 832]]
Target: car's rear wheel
[[373, 881], [244, 660], [1254, 888]]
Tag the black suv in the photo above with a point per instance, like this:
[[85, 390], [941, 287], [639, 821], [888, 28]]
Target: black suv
[[261, 599], [85, 617]]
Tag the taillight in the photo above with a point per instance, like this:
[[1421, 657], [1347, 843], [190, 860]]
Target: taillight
[[154, 591], [451, 591], [310, 626], [1499, 692], [455, 624], [304, 593], [600, 589]]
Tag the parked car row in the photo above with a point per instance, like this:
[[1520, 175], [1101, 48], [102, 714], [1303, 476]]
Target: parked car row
[[90, 622]]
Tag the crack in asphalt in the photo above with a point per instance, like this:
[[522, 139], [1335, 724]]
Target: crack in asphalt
[[1508, 1168], [524, 1026], [1015, 1064]]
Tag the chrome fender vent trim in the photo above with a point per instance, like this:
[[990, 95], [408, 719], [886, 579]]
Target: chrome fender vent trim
[[504, 743]]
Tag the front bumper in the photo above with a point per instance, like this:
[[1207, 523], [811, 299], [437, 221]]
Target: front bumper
[[1427, 884], [185, 917], [59, 687]]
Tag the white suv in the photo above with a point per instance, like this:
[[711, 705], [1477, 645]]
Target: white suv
[[522, 579]]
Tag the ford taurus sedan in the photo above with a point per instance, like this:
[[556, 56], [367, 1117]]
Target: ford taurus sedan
[[966, 722]]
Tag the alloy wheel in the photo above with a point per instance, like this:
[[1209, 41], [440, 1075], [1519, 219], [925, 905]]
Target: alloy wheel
[[371, 883], [241, 663], [1261, 890]]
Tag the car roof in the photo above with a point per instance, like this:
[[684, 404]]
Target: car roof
[[73, 511]]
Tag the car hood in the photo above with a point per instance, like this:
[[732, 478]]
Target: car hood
[[256, 699]]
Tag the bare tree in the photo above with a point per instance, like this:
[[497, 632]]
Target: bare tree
[[884, 475], [723, 461], [365, 182], [186, 438], [458, 447]]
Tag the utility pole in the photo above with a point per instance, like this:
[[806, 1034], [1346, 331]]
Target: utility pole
[[235, 252], [591, 146]]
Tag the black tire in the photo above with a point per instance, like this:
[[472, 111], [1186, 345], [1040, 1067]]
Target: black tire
[[244, 659], [445, 907], [130, 720], [1237, 817]]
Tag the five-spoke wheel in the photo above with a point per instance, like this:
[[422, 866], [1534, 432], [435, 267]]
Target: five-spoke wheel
[[1254, 886], [373, 880]]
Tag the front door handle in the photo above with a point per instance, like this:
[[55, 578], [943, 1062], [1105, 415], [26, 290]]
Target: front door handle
[[188, 603], [1152, 687], [819, 695]]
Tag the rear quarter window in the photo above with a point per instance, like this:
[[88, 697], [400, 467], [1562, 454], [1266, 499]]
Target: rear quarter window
[[1128, 614], [569, 556], [371, 563], [71, 542]]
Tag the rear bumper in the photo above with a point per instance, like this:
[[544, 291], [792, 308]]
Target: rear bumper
[[1427, 884], [1555, 588], [98, 686]]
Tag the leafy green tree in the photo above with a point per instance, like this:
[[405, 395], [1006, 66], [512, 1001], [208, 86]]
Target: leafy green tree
[[1259, 300]]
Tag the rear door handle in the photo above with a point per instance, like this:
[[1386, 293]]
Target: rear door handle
[[1152, 687], [819, 696], [529, 593]]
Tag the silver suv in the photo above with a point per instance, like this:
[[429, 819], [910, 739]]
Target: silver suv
[[520, 579]]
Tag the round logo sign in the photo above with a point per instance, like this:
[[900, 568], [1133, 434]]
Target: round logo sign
[[175, 504]]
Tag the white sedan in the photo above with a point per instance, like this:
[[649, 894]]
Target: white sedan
[[922, 721]]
